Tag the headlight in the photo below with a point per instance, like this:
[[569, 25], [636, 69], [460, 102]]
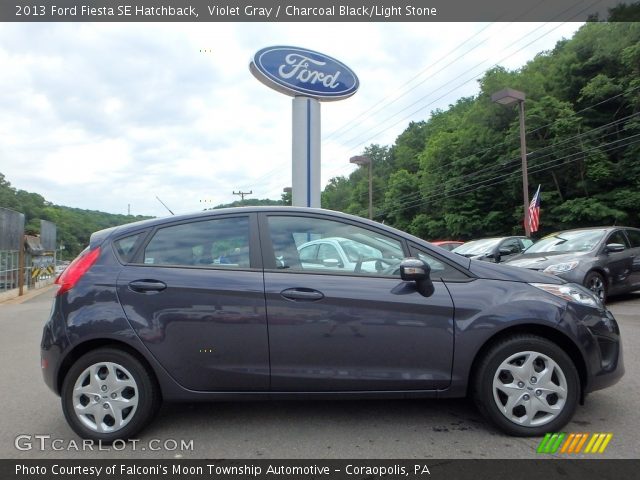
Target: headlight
[[572, 293], [561, 267]]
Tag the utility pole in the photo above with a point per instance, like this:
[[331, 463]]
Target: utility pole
[[363, 160], [242, 194]]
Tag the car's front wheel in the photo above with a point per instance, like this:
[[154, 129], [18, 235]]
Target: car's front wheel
[[527, 386], [595, 282], [108, 394]]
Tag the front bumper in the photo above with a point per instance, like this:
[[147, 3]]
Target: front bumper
[[599, 338], [608, 354]]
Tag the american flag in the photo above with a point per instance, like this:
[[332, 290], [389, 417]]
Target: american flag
[[534, 212]]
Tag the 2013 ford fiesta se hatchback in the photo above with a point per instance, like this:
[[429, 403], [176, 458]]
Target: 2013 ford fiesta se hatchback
[[225, 305]]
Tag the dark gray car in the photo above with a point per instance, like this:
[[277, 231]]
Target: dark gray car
[[604, 259], [220, 306]]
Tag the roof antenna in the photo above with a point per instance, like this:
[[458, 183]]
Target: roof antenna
[[164, 205]]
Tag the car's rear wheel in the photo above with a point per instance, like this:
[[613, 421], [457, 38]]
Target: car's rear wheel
[[527, 386], [108, 394], [595, 282]]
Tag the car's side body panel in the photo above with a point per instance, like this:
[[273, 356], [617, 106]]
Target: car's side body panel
[[216, 334]]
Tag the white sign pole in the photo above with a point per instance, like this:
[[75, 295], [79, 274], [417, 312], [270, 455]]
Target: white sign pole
[[306, 152]]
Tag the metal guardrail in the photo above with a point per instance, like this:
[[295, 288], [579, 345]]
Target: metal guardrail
[[9, 269]]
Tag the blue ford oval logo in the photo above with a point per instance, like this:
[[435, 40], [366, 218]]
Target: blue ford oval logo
[[297, 71]]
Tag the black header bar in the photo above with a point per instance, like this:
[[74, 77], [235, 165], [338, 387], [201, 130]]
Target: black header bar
[[418, 469], [303, 10]]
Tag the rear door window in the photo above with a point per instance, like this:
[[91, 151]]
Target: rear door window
[[216, 243]]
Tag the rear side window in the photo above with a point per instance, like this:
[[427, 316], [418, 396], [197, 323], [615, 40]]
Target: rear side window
[[221, 242], [634, 238], [126, 247]]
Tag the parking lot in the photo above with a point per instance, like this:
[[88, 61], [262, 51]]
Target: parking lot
[[348, 429]]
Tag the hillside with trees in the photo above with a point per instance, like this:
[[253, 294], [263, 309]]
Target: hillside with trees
[[74, 225], [457, 174]]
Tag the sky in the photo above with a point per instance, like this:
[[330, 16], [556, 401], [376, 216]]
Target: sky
[[109, 116]]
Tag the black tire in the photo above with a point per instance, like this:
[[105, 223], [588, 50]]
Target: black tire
[[596, 282], [140, 386], [494, 405]]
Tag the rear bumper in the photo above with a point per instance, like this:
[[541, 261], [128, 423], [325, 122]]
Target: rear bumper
[[50, 354], [52, 346]]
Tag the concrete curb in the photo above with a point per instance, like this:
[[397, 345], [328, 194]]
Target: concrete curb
[[28, 295]]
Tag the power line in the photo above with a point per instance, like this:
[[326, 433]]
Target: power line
[[422, 107], [278, 169], [351, 124], [464, 189], [556, 162], [535, 155], [552, 146], [467, 81]]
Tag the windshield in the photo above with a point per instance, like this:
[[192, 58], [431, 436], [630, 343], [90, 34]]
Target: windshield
[[575, 241], [477, 247]]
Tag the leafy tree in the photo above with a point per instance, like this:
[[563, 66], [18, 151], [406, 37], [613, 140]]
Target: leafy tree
[[457, 174]]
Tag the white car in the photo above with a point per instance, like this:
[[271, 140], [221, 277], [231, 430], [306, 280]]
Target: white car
[[337, 253]]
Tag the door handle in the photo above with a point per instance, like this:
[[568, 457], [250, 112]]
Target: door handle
[[147, 286], [302, 294]]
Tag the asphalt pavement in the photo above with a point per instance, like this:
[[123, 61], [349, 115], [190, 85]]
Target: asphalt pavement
[[33, 426]]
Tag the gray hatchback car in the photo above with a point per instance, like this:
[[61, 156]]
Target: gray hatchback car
[[220, 305], [605, 259]]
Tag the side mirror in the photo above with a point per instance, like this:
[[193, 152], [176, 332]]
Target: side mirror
[[614, 247], [505, 251], [413, 269], [416, 270], [332, 263]]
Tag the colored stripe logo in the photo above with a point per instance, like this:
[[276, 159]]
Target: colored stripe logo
[[574, 443]]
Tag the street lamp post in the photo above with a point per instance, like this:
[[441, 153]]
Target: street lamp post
[[509, 96], [361, 160]]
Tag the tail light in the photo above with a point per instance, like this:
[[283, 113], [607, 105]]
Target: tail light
[[76, 269]]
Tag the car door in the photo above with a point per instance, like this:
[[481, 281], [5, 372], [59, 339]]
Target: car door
[[195, 296], [338, 330], [618, 265], [634, 240]]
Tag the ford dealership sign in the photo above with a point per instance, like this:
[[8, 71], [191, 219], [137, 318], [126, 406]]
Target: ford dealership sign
[[300, 72]]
